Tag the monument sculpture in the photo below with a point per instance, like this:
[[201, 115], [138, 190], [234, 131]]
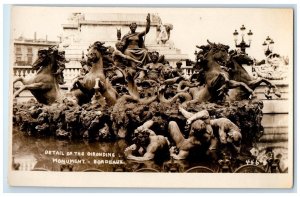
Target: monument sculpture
[[238, 73], [85, 87], [164, 32], [44, 84], [158, 112], [134, 42]]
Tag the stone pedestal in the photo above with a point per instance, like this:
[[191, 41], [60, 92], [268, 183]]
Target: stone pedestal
[[275, 119]]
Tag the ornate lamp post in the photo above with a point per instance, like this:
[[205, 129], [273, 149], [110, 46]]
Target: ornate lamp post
[[243, 45], [268, 46]]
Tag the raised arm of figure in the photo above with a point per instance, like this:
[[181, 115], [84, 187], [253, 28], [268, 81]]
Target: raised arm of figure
[[147, 26]]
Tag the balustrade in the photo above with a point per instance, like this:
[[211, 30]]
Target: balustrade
[[27, 71], [69, 73], [23, 71]]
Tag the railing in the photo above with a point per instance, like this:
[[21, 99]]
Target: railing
[[25, 71], [69, 73]]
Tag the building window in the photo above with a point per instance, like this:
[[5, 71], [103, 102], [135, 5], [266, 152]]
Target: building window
[[29, 59], [18, 59], [18, 51], [18, 55], [29, 55], [29, 50]]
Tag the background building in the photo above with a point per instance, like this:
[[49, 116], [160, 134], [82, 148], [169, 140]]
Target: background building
[[25, 53], [26, 49], [84, 29]]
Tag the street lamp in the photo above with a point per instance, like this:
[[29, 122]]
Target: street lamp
[[243, 45], [268, 45]]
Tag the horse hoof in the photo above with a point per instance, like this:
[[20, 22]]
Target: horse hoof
[[278, 94]]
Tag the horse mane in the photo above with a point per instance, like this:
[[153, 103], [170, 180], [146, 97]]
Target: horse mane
[[100, 47], [237, 66], [51, 56], [205, 51], [42, 57], [218, 46], [60, 60]]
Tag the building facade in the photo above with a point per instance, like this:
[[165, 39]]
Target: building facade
[[25, 53], [26, 50]]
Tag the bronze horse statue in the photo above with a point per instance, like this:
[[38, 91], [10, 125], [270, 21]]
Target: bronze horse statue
[[238, 73], [83, 89], [215, 79], [43, 85]]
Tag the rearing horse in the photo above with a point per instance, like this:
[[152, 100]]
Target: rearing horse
[[84, 89], [216, 79], [238, 73], [43, 85]]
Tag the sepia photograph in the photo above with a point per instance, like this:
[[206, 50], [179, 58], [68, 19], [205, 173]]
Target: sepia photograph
[[193, 97]]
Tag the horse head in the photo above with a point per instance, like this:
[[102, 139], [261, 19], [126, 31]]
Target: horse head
[[43, 59], [201, 60], [240, 58], [96, 51], [61, 56], [218, 53], [43, 86], [51, 56]]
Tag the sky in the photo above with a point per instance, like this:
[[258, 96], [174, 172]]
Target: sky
[[191, 26]]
